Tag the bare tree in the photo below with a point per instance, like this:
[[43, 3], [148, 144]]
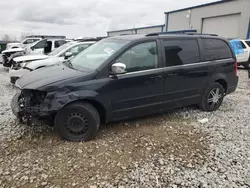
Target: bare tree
[[24, 34], [6, 37]]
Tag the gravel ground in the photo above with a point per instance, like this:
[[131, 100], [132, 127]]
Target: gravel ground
[[180, 148]]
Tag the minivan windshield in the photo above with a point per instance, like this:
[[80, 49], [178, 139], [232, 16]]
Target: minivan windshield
[[95, 55], [61, 48]]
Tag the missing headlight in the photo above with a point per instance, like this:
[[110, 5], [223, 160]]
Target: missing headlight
[[31, 98]]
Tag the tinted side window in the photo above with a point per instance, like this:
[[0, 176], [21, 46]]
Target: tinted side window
[[59, 43], [34, 40], [28, 41], [140, 57], [215, 49], [179, 52], [40, 44]]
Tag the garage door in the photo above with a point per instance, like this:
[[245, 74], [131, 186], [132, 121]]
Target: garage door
[[227, 26]]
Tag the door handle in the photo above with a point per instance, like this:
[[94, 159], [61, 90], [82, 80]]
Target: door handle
[[156, 77], [172, 74]]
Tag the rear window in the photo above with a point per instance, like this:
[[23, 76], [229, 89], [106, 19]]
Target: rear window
[[243, 45], [215, 49], [180, 52], [248, 43], [59, 43]]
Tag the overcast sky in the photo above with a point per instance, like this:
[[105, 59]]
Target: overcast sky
[[75, 18]]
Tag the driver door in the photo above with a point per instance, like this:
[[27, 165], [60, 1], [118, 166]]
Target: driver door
[[138, 91]]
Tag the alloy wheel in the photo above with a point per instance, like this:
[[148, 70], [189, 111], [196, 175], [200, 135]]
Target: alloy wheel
[[214, 98]]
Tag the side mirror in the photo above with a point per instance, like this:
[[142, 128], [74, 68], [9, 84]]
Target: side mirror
[[32, 48], [118, 68], [67, 55]]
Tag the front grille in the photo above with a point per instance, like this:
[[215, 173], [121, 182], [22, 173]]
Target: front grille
[[15, 65]]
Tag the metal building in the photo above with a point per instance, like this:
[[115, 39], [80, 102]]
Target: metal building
[[138, 30], [228, 18]]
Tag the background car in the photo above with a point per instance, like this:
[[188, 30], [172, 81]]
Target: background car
[[8, 55], [242, 51], [44, 46], [23, 43], [25, 64]]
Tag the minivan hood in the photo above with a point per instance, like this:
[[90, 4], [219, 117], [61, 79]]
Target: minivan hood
[[30, 58], [48, 75]]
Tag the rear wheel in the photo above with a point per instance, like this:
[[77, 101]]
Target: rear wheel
[[77, 122], [247, 65], [213, 97]]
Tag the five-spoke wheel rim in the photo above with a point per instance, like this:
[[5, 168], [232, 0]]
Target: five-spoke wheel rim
[[214, 98], [77, 123]]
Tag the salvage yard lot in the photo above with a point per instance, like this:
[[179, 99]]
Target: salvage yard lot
[[166, 150]]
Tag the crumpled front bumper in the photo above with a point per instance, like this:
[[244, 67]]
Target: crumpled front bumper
[[26, 114]]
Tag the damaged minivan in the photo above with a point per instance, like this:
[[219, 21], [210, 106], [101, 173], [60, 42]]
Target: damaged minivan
[[127, 76]]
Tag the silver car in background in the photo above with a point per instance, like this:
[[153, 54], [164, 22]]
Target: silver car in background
[[25, 64]]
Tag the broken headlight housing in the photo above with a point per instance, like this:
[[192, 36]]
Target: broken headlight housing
[[31, 98]]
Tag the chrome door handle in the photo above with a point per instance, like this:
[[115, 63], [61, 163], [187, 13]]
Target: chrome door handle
[[172, 74], [156, 77]]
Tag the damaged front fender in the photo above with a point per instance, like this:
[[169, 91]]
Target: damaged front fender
[[55, 101]]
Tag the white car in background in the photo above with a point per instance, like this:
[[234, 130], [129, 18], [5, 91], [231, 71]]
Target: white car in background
[[23, 43], [25, 64], [44, 46], [242, 52], [8, 55], [246, 54]]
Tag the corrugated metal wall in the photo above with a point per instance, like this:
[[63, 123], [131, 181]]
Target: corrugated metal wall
[[140, 30], [179, 21]]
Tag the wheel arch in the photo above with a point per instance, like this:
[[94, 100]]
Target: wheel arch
[[223, 83], [97, 105], [219, 78]]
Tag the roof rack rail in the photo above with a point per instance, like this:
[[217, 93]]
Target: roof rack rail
[[126, 34], [89, 39], [187, 32], [46, 36], [201, 34], [172, 32]]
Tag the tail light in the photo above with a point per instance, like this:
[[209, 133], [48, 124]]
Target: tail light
[[236, 68]]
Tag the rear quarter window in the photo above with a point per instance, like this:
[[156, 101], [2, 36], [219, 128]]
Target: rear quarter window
[[215, 49], [59, 43]]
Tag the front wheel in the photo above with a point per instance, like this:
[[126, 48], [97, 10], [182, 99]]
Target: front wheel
[[212, 98], [77, 122]]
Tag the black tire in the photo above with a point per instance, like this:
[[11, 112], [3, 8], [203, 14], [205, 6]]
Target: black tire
[[13, 80], [247, 65], [209, 102], [77, 122]]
